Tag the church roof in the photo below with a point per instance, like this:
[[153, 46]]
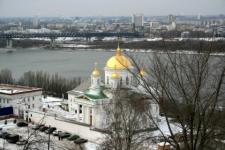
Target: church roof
[[95, 94], [119, 61], [84, 90]]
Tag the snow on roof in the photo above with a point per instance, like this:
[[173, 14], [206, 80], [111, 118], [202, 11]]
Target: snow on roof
[[49, 99], [16, 89]]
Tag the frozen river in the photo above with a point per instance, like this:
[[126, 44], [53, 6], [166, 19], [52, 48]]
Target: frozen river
[[68, 63]]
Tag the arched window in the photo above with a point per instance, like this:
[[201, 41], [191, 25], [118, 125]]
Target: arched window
[[98, 81], [127, 80], [107, 80]]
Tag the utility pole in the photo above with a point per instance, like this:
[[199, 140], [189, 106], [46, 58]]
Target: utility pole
[[49, 140]]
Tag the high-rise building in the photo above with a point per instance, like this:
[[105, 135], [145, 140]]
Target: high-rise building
[[172, 22], [171, 19], [138, 20], [35, 22]]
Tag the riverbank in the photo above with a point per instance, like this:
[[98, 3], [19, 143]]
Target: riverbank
[[160, 45]]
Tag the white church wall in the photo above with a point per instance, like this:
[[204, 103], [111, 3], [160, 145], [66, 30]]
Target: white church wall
[[82, 131]]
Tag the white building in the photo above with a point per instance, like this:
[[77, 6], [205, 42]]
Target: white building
[[172, 22], [138, 20], [35, 22], [88, 100], [20, 98]]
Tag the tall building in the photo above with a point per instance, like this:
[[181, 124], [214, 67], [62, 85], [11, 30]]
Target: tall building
[[138, 20], [172, 22], [171, 19], [35, 22]]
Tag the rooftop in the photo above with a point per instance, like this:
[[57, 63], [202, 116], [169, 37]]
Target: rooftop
[[8, 89]]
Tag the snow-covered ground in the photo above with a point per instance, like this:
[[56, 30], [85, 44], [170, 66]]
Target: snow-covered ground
[[164, 128]]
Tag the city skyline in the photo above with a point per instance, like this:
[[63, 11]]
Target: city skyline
[[42, 8]]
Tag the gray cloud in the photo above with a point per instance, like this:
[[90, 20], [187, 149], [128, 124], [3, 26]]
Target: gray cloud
[[109, 7]]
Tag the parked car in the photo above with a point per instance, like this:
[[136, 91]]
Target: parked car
[[64, 135], [21, 142], [50, 130], [73, 137], [80, 141], [4, 135], [43, 128], [36, 127], [12, 138], [22, 124], [56, 132]]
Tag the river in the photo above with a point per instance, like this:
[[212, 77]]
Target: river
[[65, 62], [68, 63]]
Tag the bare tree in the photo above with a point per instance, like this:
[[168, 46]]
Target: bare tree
[[127, 124], [6, 76], [189, 88]]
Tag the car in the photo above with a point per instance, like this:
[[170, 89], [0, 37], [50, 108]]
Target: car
[[80, 141], [56, 132], [12, 138], [36, 127], [21, 142], [43, 128], [73, 137], [50, 130], [4, 135], [22, 124], [64, 135]]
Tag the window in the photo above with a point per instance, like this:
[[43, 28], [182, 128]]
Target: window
[[107, 82], [33, 105], [75, 111], [121, 81], [98, 81], [3, 100], [90, 111], [127, 80], [80, 109], [33, 98], [28, 106]]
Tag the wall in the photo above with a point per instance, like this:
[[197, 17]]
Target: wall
[[81, 130]]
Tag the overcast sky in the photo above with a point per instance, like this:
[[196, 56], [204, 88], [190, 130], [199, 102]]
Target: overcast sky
[[20, 8]]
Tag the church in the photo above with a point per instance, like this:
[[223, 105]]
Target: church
[[87, 100]]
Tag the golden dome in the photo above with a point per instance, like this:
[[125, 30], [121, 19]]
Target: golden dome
[[142, 72], [96, 72], [120, 61], [115, 75]]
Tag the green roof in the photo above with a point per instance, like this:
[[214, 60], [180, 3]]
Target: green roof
[[95, 94]]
